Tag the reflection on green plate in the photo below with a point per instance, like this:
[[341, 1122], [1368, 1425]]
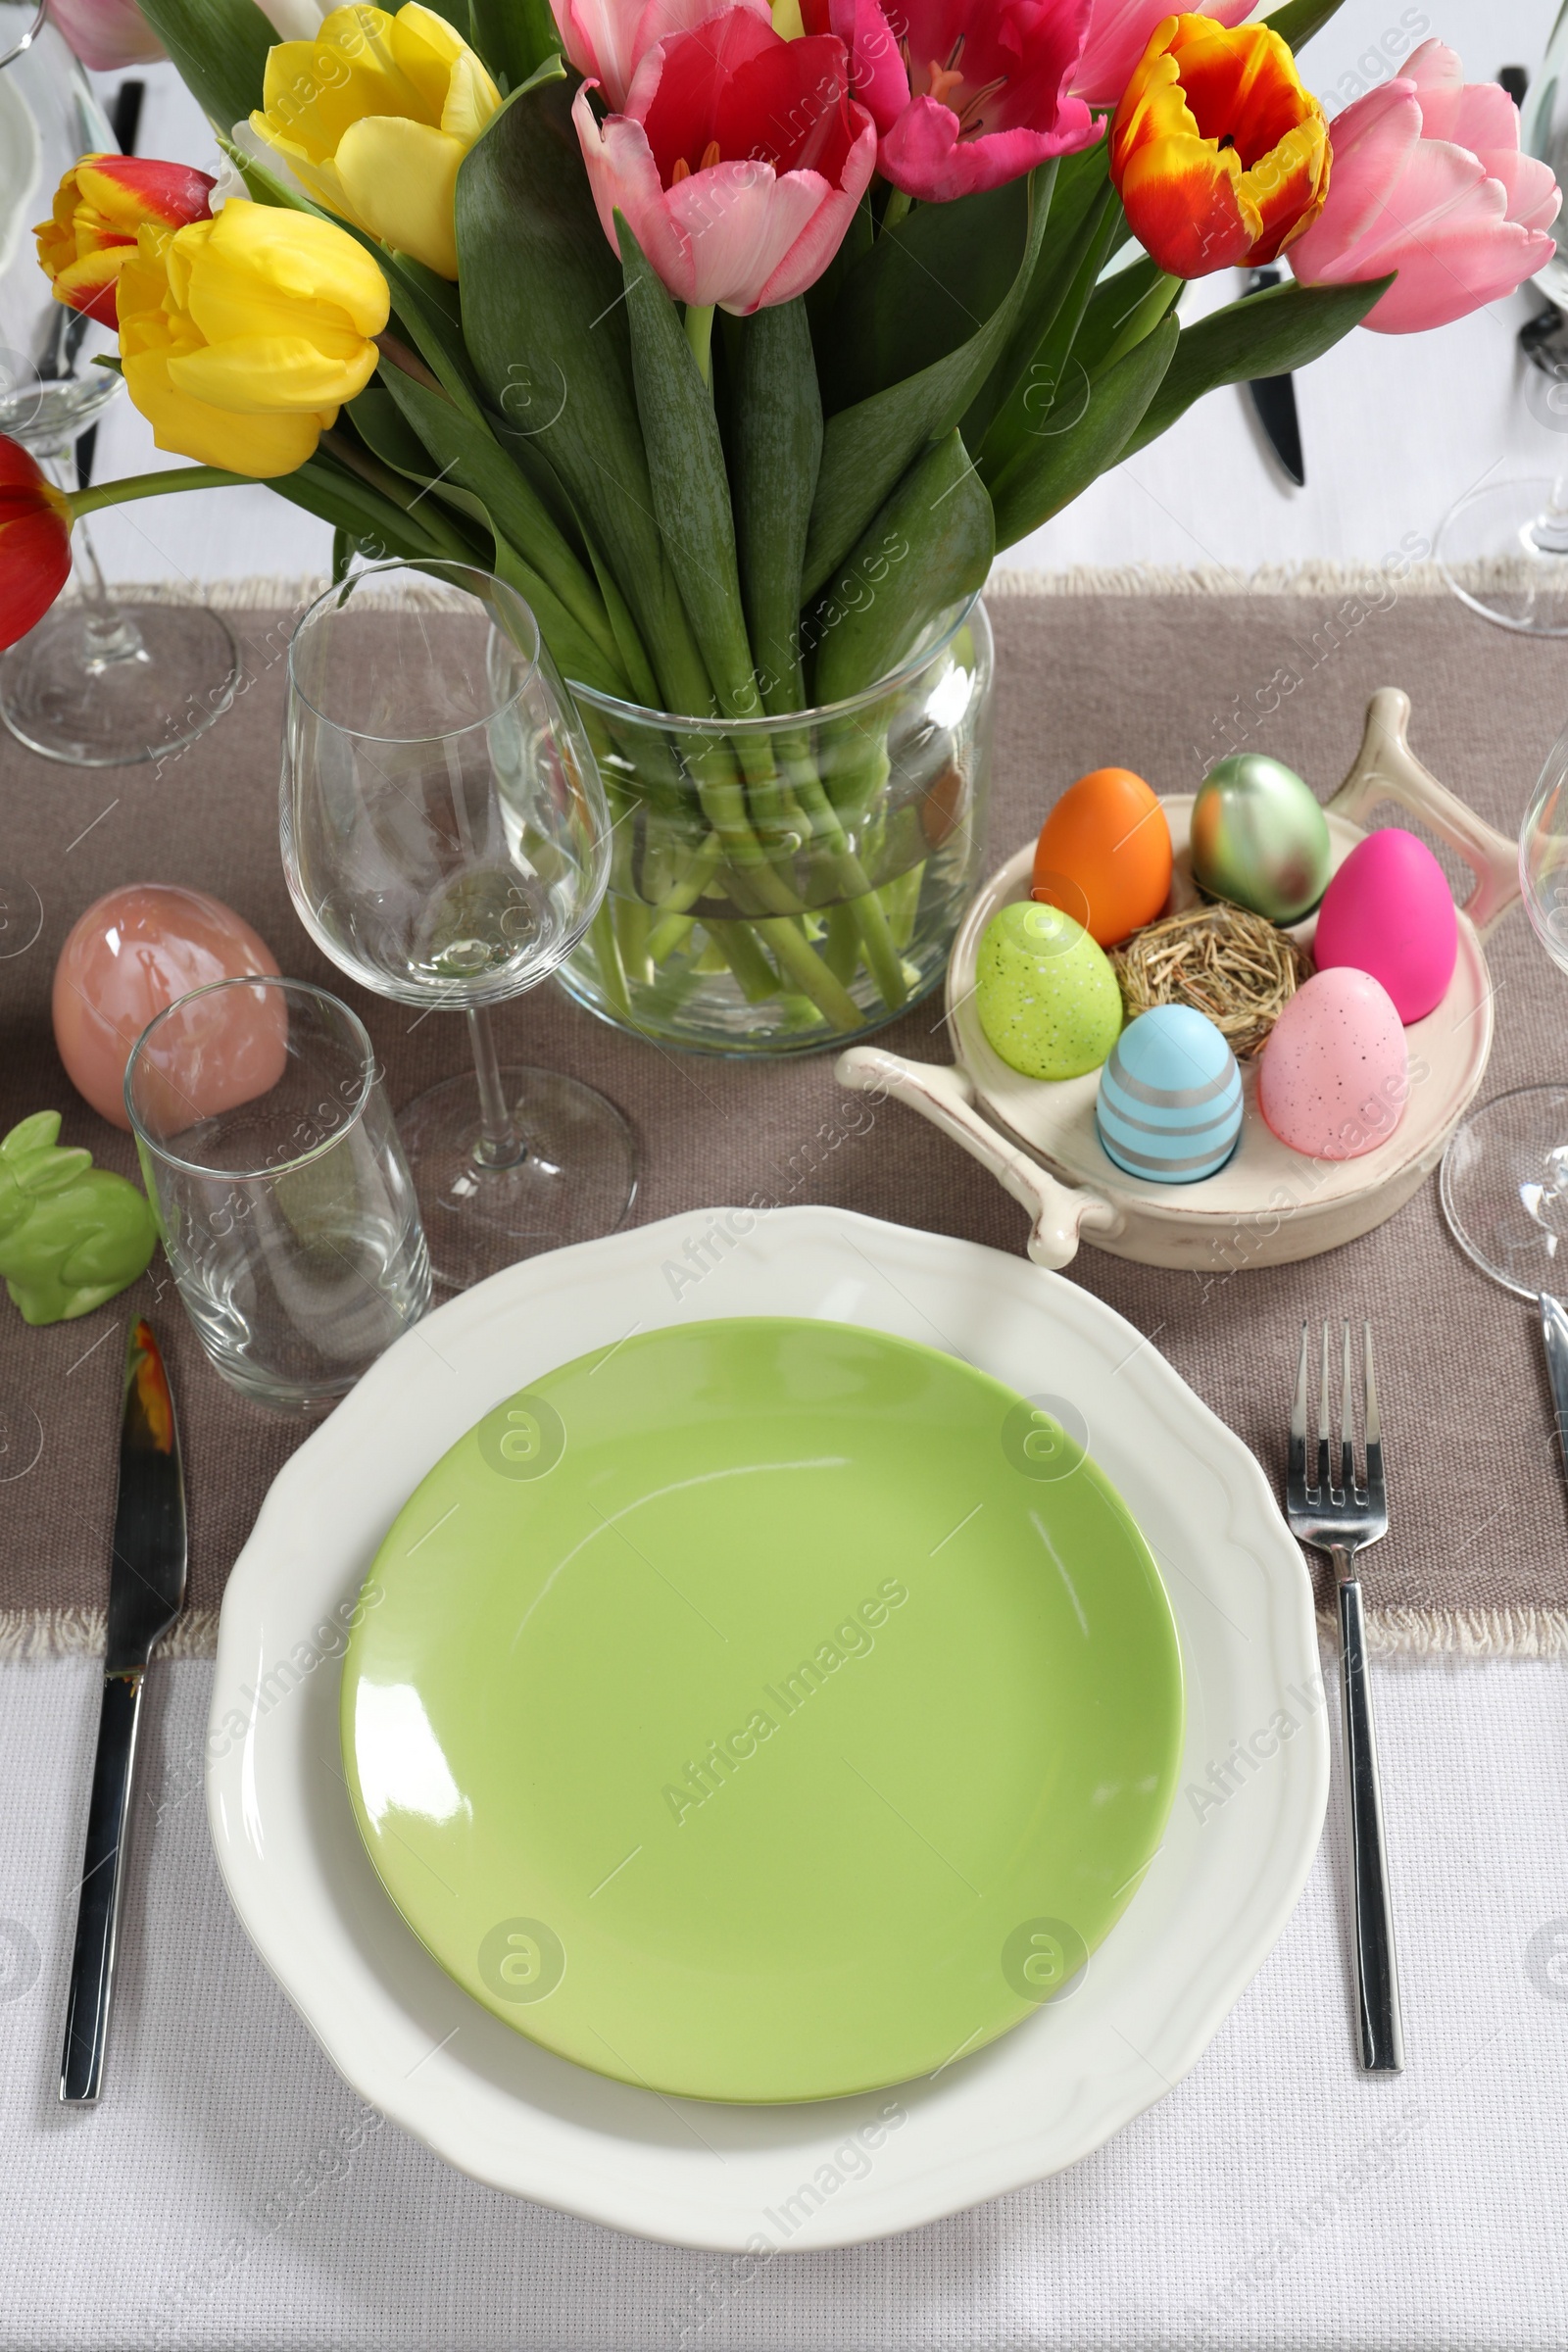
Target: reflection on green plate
[[764, 1710]]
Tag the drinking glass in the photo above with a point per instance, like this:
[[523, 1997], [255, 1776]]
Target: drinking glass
[[1504, 1185], [97, 684], [282, 1197], [447, 844]]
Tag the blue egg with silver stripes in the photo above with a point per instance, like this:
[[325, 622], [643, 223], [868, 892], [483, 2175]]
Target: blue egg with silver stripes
[[1169, 1107]]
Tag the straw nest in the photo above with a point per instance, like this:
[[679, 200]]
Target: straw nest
[[1227, 963]]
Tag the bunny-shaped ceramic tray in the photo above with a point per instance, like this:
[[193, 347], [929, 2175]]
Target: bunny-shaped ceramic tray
[[1267, 1204]]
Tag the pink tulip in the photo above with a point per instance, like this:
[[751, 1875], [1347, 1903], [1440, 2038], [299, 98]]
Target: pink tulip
[[1120, 30], [107, 34], [607, 39], [1428, 179], [738, 162], [967, 93]]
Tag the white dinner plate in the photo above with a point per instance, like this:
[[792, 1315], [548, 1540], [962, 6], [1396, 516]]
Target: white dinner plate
[[1241, 1838]]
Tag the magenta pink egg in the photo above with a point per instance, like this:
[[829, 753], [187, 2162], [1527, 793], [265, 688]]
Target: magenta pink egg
[[1334, 1075], [1389, 911], [131, 955]]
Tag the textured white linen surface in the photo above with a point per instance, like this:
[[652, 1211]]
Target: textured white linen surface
[[231, 2191]]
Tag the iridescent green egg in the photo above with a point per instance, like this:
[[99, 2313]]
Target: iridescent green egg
[[1260, 838]]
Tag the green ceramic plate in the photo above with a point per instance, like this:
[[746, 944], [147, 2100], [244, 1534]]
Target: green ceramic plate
[[764, 1710]]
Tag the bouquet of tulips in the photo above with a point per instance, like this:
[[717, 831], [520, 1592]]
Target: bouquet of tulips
[[457, 294]]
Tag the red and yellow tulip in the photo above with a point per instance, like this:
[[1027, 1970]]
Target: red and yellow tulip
[[1219, 153], [34, 542], [100, 207]]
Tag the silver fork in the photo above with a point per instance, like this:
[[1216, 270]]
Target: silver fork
[[1342, 1520]]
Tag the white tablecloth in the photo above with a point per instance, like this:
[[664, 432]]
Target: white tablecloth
[[231, 2191]]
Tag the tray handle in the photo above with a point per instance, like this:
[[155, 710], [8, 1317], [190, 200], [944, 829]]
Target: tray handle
[[944, 1096], [1384, 768]]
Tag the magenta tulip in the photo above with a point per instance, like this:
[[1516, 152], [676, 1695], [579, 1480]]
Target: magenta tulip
[[1427, 179], [1120, 30], [107, 34], [606, 40], [737, 161], [966, 93]]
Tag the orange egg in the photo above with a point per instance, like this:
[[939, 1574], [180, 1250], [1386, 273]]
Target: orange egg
[[1103, 854]]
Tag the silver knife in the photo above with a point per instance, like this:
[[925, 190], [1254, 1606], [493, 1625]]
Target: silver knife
[[146, 1593], [1554, 1338], [1273, 399]]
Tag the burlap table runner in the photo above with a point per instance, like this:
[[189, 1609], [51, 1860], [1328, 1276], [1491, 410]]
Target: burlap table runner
[[1160, 682]]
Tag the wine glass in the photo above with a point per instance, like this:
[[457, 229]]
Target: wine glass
[[1504, 1184], [97, 684], [1503, 546], [446, 841], [1503, 550]]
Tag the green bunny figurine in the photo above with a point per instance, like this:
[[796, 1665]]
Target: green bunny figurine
[[71, 1235]]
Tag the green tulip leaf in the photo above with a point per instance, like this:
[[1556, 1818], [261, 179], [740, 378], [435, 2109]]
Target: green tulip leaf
[[1123, 308], [546, 320], [858, 239], [467, 456], [1082, 204], [515, 37], [928, 547], [1261, 335], [219, 48], [1086, 430], [867, 448], [775, 449], [1298, 20], [1047, 364], [576, 653], [922, 290], [686, 471]]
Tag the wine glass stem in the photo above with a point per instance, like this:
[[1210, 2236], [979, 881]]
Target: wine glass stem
[[1549, 533], [499, 1144], [111, 634]]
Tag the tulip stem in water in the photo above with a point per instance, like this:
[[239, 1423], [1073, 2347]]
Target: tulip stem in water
[[700, 335]]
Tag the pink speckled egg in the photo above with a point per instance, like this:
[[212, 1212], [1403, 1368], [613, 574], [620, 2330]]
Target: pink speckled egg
[[131, 955], [1389, 911], [1334, 1075]]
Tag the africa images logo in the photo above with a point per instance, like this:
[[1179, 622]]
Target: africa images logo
[[723, 1759]]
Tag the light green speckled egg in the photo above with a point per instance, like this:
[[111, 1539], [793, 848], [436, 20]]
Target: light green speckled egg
[[1046, 994]]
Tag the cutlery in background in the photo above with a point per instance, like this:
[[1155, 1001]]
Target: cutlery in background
[[1273, 399], [1554, 1338], [1342, 1520], [146, 1592]]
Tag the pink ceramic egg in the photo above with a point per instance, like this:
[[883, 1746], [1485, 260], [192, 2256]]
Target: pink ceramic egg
[[1389, 911], [1334, 1074], [131, 955]]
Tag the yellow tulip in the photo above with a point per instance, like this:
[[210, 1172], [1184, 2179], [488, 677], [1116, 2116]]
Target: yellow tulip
[[374, 116], [240, 336]]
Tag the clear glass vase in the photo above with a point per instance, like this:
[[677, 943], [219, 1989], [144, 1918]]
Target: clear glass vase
[[779, 885]]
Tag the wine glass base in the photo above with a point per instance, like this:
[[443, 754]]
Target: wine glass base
[[1504, 1189], [1504, 557], [97, 691], [577, 1180]]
